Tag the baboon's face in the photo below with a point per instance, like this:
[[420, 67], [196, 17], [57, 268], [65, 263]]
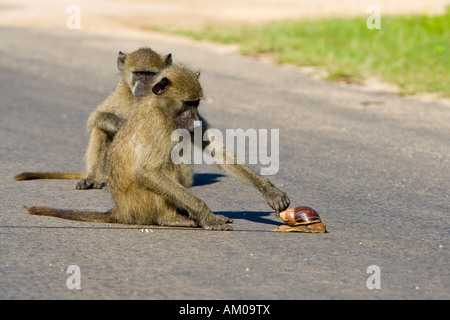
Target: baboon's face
[[179, 94], [140, 67], [186, 114]]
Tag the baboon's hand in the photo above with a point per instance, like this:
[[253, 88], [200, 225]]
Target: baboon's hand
[[217, 223], [86, 184], [224, 219], [277, 200], [217, 227]]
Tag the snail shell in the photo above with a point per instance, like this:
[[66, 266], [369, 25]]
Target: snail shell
[[300, 216]]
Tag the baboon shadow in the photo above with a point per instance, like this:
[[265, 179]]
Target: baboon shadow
[[202, 179], [253, 216]]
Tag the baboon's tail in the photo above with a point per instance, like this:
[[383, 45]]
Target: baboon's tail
[[50, 175], [88, 216]]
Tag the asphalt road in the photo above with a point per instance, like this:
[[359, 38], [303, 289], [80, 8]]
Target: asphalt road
[[375, 166]]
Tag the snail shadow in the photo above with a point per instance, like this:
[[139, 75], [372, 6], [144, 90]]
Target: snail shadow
[[202, 179], [253, 216]]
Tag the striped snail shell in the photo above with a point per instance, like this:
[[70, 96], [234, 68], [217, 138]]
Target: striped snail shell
[[300, 216]]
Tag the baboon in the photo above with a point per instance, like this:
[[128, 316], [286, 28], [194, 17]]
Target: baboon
[[137, 70], [147, 187]]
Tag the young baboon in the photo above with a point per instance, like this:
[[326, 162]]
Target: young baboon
[[147, 186], [137, 70]]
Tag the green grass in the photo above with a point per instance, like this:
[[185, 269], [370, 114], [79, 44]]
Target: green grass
[[411, 52]]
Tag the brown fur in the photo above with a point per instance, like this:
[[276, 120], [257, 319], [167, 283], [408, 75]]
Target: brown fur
[[49, 175], [106, 119], [147, 187]]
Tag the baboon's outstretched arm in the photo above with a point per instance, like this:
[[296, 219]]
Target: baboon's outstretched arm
[[276, 199]]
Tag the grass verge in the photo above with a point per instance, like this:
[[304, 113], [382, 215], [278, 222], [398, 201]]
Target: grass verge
[[412, 52]]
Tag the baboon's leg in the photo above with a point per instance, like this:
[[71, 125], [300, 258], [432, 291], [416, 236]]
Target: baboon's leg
[[163, 185], [176, 220], [99, 142], [224, 219]]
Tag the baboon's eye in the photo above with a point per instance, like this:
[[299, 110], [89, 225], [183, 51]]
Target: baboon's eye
[[193, 104], [144, 73]]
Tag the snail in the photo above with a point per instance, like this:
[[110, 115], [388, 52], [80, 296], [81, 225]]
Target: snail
[[299, 216], [301, 219]]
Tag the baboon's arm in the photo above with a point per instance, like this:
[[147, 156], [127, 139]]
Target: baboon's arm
[[99, 142], [109, 123], [102, 126], [228, 163], [276, 199]]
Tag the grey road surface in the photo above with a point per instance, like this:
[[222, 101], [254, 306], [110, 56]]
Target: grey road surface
[[374, 165]]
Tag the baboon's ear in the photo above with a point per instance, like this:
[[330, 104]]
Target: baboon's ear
[[168, 59], [121, 60], [197, 73], [160, 86]]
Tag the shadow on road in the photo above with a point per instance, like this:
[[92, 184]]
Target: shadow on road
[[202, 179], [253, 216]]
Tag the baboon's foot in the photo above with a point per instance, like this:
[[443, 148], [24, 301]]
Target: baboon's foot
[[88, 183]]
